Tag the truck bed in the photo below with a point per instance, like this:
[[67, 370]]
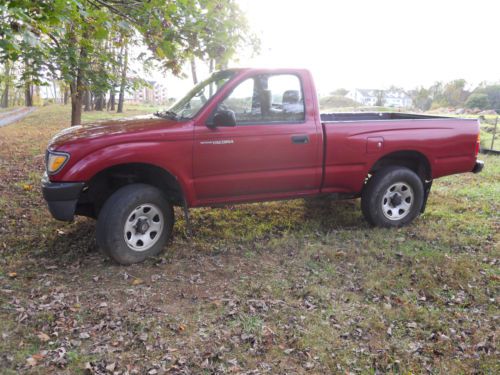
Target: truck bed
[[355, 141]]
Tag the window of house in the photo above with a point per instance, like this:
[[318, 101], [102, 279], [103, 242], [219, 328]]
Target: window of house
[[267, 99]]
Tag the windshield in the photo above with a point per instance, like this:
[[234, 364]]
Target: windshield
[[190, 105]]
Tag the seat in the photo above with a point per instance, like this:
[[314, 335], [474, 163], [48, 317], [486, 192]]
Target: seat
[[292, 102]]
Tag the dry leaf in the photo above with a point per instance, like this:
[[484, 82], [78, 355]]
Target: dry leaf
[[137, 282], [12, 275], [111, 367], [43, 337], [30, 361]]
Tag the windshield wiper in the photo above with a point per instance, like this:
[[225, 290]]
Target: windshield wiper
[[167, 114]]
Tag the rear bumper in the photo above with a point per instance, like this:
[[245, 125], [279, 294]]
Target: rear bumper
[[478, 167], [61, 197]]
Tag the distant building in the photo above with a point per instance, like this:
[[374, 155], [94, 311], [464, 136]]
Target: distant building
[[155, 93], [389, 98]]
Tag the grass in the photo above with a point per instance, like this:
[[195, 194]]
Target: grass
[[279, 287]]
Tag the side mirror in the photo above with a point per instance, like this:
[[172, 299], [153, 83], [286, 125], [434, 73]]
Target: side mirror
[[224, 118]]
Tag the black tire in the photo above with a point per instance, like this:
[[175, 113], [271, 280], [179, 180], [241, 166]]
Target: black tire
[[385, 208], [134, 202]]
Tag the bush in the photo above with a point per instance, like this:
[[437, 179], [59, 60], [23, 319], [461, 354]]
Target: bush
[[336, 101], [478, 100]]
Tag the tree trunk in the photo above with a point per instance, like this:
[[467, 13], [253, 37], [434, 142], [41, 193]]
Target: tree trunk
[[76, 103], [193, 71], [211, 66], [77, 89], [86, 101], [54, 86], [28, 94], [4, 103], [111, 102], [66, 95], [99, 101], [123, 82]]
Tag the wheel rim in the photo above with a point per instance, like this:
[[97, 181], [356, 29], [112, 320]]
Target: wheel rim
[[143, 227], [397, 201]]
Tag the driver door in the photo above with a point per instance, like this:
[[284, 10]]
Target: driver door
[[273, 151]]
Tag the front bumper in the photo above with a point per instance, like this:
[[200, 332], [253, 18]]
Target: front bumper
[[478, 167], [61, 197]]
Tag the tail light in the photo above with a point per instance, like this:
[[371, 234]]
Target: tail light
[[478, 143]]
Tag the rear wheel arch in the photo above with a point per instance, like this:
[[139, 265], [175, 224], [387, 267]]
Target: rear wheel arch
[[413, 160], [107, 181]]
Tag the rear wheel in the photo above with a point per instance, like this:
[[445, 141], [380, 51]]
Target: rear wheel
[[134, 224], [393, 197]]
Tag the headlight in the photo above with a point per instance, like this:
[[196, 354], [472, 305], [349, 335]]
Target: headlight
[[55, 161]]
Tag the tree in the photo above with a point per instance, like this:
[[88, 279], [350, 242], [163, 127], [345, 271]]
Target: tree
[[421, 98], [123, 81], [478, 100], [340, 92], [4, 101], [214, 33], [493, 93], [380, 95], [74, 36], [454, 93]]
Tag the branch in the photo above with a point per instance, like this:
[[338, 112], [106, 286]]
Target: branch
[[113, 9]]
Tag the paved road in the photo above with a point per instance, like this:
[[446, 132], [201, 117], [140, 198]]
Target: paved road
[[7, 118]]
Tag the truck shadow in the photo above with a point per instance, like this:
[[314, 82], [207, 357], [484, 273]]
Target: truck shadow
[[327, 214], [242, 224]]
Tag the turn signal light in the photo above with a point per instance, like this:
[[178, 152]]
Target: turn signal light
[[56, 161]]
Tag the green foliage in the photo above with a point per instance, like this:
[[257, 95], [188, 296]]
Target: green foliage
[[336, 101], [478, 100], [421, 98], [450, 94], [340, 92], [493, 93], [82, 42]]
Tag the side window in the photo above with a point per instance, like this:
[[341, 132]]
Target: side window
[[267, 99], [241, 102], [287, 103]]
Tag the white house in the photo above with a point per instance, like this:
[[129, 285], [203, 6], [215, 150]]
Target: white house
[[389, 98]]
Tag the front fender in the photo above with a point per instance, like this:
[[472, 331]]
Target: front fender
[[173, 157]]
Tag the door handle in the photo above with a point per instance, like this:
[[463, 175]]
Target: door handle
[[300, 139]]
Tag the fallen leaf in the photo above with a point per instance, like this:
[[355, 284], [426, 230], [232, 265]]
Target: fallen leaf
[[12, 275], [137, 282], [38, 357], [111, 367], [43, 337], [30, 361]]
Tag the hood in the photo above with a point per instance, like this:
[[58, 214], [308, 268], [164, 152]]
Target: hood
[[105, 128]]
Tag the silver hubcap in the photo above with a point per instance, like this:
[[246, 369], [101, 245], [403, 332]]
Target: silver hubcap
[[397, 201], [143, 227]]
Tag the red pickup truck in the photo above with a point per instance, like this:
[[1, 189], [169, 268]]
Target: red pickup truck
[[247, 135]]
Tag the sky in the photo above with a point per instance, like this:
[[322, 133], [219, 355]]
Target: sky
[[375, 44]]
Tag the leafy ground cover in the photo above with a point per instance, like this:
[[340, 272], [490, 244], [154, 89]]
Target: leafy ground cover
[[302, 286]]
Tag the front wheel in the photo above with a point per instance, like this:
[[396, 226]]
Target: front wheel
[[393, 197], [134, 224]]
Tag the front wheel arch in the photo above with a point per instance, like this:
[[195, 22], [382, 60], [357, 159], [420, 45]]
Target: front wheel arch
[[107, 181]]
